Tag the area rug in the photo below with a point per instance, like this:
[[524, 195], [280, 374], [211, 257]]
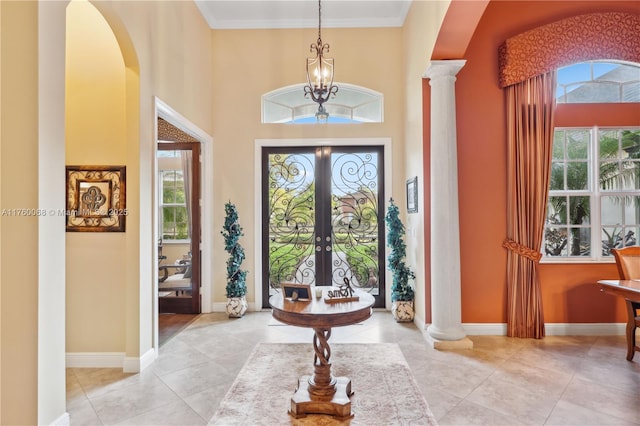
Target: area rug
[[385, 392]]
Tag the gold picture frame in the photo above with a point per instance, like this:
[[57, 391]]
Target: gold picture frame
[[296, 292], [95, 199]]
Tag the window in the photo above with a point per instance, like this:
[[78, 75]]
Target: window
[[594, 205], [594, 190], [352, 104], [173, 218], [597, 81]]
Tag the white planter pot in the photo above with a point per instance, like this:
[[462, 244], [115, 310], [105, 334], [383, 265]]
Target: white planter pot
[[236, 306], [402, 311]]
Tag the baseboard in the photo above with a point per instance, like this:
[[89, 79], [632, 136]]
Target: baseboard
[[136, 365], [551, 329], [63, 420], [94, 359], [110, 360], [222, 307], [585, 329], [485, 329]]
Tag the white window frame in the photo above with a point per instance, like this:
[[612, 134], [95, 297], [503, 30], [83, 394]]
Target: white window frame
[[162, 204], [595, 194]]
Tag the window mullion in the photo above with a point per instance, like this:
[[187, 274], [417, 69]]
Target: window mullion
[[594, 181]]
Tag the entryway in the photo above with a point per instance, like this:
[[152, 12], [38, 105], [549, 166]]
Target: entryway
[[323, 217], [179, 219]]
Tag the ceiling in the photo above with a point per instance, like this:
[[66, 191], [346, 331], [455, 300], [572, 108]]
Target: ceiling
[[265, 14]]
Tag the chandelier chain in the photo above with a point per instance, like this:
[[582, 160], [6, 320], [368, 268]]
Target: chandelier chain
[[319, 21]]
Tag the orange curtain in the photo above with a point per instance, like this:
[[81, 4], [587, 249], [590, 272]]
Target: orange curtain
[[530, 110]]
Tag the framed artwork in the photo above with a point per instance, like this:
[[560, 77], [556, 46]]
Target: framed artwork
[[412, 195], [96, 199], [296, 292]]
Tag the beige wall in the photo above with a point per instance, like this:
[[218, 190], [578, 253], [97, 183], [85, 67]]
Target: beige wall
[[249, 63], [164, 52], [419, 37], [95, 135], [19, 243]]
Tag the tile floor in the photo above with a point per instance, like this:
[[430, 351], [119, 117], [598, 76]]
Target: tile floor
[[583, 380]]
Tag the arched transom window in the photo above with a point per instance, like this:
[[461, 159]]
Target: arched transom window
[[352, 104]]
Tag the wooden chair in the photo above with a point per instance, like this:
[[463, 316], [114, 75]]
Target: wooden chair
[[628, 262]]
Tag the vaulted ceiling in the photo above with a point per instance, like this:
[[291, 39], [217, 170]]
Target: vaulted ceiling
[[263, 14]]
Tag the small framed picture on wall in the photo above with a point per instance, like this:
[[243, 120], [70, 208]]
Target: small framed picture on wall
[[96, 200], [412, 195]]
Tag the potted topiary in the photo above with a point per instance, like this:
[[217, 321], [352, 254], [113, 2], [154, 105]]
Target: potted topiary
[[402, 293], [236, 277]]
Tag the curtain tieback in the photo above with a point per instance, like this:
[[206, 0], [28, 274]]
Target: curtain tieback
[[533, 255]]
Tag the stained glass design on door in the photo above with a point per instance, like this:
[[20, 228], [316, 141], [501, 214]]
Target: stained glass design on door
[[321, 218], [355, 201], [291, 218]]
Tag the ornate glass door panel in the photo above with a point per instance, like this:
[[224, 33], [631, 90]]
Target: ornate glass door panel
[[288, 217], [320, 218], [356, 183]]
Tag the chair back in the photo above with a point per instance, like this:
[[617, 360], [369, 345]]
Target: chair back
[[628, 262]]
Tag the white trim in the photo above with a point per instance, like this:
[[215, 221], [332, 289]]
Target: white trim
[[94, 359], [485, 329], [418, 321], [551, 329], [63, 420], [136, 365], [222, 307], [585, 329], [164, 111], [110, 360], [259, 144]]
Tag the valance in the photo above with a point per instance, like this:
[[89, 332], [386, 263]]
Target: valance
[[612, 35]]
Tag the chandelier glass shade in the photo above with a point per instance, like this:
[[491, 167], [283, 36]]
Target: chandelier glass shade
[[320, 73]]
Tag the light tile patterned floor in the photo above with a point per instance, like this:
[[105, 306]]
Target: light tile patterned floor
[[583, 380]]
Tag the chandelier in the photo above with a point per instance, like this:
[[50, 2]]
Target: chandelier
[[320, 74]]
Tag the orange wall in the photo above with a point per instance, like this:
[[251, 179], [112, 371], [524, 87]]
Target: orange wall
[[569, 293]]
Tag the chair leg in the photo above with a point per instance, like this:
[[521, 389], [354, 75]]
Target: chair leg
[[631, 330]]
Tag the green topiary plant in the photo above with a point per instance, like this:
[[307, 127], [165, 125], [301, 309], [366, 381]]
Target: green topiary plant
[[232, 231], [400, 290]]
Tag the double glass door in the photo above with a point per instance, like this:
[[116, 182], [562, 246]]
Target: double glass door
[[323, 219]]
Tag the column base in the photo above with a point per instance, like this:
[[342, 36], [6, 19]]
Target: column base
[[446, 345]]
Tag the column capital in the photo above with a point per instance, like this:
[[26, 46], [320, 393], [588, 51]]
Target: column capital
[[444, 68]]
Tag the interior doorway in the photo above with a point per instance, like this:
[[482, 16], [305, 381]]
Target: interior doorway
[[179, 218], [174, 127]]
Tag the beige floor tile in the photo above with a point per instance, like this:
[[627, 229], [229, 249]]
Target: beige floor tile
[[604, 399], [81, 413], [568, 414], [206, 402], [455, 378], [536, 379], [176, 414], [558, 380], [615, 372], [197, 378], [130, 401], [530, 406], [468, 413]]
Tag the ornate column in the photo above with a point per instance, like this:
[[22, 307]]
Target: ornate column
[[446, 329]]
